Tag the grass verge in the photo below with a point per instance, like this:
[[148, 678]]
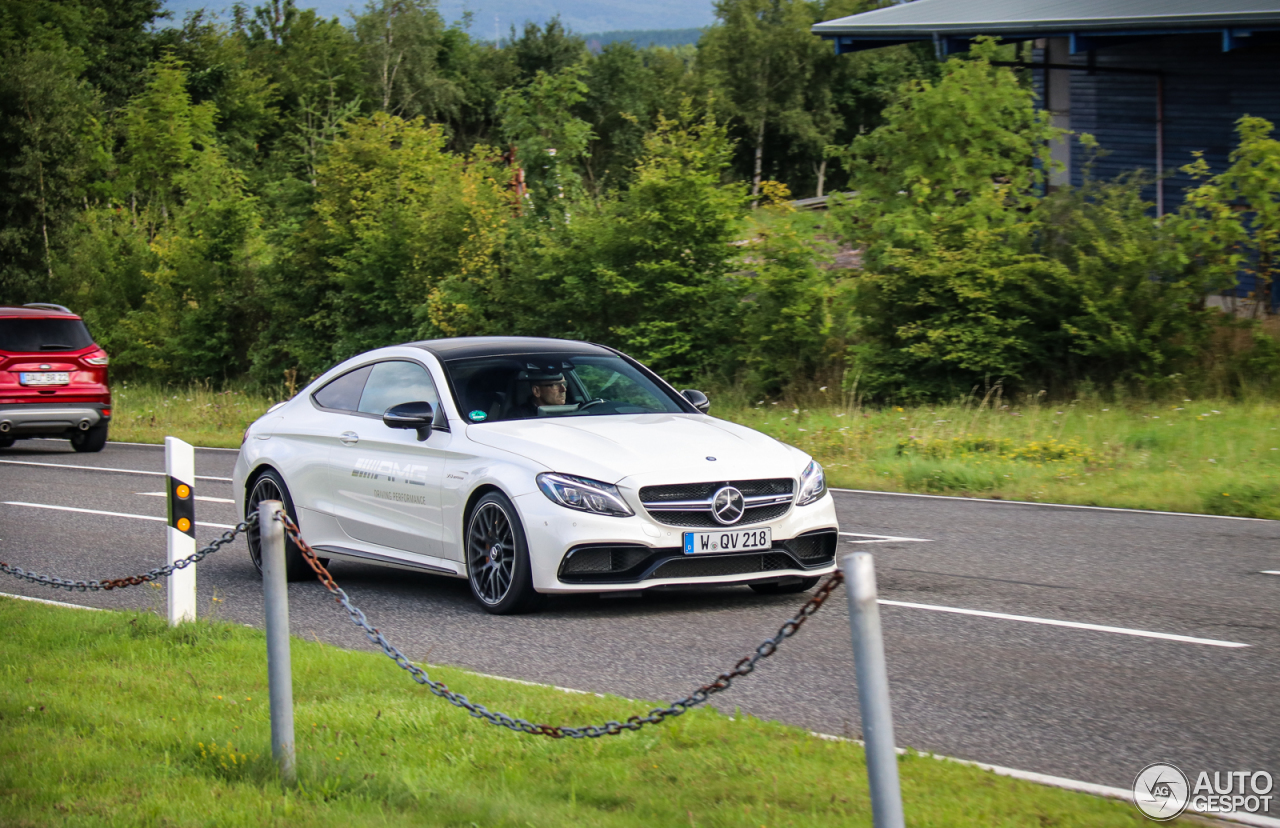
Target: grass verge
[[1210, 456], [1205, 456], [113, 718]]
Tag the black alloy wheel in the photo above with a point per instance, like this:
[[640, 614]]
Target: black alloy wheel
[[270, 486], [6, 442], [498, 557], [803, 585]]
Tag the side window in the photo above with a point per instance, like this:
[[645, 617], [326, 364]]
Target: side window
[[392, 383], [343, 393]]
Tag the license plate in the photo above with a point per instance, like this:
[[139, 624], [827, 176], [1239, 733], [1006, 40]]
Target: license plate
[[728, 540], [44, 377]]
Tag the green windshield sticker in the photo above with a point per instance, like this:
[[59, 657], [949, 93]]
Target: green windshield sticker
[[477, 416]]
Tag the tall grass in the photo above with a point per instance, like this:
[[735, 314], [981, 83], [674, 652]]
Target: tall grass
[[1194, 455], [198, 414]]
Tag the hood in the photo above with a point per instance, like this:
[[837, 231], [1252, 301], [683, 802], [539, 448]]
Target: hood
[[671, 448]]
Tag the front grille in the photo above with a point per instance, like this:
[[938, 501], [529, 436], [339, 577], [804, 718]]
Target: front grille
[[697, 520], [701, 491], [701, 516], [627, 563]]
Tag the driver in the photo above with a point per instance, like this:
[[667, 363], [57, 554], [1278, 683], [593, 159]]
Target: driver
[[546, 387]]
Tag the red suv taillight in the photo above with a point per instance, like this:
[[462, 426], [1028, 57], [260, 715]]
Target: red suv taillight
[[97, 359]]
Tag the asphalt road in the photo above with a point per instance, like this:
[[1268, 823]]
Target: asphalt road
[[1087, 704]]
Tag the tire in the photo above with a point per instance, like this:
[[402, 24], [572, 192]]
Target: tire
[[6, 442], [498, 557], [270, 486], [804, 585], [92, 439]]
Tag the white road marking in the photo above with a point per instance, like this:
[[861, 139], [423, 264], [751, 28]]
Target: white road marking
[[104, 469], [46, 601], [1075, 625], [198, 497], [161, 446], [1051, 505], [882, 538], [1271, 572], [144, 445], [108, 514]]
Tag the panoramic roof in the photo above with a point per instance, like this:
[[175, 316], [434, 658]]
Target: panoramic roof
[[922, 18]]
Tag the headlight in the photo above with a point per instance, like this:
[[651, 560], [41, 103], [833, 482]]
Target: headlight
[[813, 484], [583, 494]]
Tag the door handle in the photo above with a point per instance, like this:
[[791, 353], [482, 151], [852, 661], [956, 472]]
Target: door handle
[[349, 438]]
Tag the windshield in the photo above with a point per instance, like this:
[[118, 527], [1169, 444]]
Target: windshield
[[26, 335], [528, 386]]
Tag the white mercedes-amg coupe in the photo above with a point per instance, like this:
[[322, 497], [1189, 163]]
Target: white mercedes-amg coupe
[[534, 466]]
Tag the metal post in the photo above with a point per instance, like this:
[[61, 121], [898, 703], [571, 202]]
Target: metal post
[[279, 672], [180, 466], [873, 691]]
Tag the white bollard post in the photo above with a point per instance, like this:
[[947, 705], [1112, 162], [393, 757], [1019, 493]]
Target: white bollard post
[[180, 466], [873, 691], [275, 593]]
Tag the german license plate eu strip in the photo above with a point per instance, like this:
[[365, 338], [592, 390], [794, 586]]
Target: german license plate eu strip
[[728, 540]]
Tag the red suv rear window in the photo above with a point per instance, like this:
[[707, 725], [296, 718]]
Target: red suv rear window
[[31, 335]]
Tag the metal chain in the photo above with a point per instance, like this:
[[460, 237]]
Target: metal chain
[[133, 580], [722, 682]]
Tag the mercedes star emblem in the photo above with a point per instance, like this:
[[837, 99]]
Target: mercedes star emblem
[[727, 506]]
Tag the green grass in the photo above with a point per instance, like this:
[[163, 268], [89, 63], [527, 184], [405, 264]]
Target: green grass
[[1189, 455], [113, 718], [1205, 456], [197, 414]]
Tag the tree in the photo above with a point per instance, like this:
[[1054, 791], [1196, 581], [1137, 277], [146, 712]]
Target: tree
[[395, 218], [645, 269], [48, 117], [760, 55], [1231, 221], [549, 141], [400, 41]]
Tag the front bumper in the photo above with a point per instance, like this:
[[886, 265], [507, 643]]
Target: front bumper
[[50, 419], [573, 551]]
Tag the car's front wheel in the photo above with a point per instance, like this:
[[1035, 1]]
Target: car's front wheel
[[270, 486], [498, 557]]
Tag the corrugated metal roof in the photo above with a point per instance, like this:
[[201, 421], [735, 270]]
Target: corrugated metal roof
[[923, 18]]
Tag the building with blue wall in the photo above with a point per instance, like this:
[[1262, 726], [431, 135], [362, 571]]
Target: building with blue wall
[[1152, 80]]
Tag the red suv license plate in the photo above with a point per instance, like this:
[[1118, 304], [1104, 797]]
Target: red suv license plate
[[44, 377]]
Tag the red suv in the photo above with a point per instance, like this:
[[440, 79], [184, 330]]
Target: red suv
[[53, 378]]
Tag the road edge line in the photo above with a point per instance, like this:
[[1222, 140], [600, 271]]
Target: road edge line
[[47, 601]]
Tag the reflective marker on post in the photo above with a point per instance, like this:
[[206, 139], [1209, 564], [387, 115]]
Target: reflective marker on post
[[180, 466]]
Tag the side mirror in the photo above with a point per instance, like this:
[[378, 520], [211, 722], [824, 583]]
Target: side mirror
[[697, 399], [410, 415]]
